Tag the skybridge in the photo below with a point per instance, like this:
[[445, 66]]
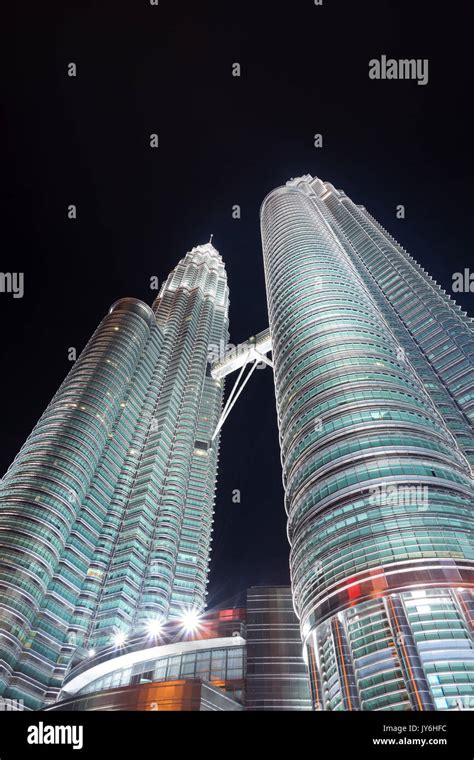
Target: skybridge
[[251, 352]]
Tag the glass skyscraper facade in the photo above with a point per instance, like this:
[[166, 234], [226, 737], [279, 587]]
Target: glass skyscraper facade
[[106, 513], [374, 381]]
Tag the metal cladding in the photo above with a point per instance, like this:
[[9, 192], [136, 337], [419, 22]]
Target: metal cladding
[[374, 390], [106, 513]]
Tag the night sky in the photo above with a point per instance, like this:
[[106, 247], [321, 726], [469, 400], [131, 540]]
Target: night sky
[[223, 141]]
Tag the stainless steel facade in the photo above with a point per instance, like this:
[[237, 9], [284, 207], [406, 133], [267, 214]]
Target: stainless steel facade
[[277, 676], [106, 513], [374, 382]]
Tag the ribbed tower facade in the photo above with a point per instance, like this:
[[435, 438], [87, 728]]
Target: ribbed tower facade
[[106, 513], [374, 382]]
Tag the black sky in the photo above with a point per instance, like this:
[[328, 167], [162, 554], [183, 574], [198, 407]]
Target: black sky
[[223, 141]]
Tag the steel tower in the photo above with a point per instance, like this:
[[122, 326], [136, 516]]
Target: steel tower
[[374, 379], [106, 513]]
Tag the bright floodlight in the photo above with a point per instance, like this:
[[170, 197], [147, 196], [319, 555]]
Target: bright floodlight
[[154, 627], [91, 652], [190, 620], [119, 638]]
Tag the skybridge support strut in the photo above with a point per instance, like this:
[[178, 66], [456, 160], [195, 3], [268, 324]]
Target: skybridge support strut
[[253, 351]]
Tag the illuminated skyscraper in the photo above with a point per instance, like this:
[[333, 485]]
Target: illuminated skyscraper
[[374, 380], [106, 513]]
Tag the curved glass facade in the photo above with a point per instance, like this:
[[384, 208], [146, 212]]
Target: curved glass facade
[[211, 664], [211, 657], [106, 513], [379, 491], [251, 656]]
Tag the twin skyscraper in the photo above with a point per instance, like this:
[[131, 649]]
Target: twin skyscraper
[[106, 513]]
